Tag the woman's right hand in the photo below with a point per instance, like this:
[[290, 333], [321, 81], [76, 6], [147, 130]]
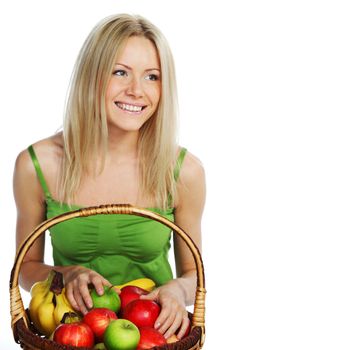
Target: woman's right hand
[[77, 280]]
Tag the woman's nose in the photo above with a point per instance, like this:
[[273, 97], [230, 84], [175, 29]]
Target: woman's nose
[[135, 88]]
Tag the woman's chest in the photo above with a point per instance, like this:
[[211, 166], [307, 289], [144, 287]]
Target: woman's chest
[[115, 184], [137, 238]]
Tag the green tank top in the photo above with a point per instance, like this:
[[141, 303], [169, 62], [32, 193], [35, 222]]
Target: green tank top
[[120, 247]]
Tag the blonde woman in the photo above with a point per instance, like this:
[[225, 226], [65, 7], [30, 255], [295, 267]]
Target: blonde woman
[[118, 145]]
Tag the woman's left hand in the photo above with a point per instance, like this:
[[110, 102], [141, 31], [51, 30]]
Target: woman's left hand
[[173, 317]]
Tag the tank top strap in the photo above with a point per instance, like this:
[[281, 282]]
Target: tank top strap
[[39, 172], [177, 169], [179, 162]]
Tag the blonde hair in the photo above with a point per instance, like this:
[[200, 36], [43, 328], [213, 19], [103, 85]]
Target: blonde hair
[[85, 128]]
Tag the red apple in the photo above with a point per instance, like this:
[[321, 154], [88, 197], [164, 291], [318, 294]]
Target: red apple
[[150, 337], [75, 334], [143, 313], [98, 319], [130, 293]]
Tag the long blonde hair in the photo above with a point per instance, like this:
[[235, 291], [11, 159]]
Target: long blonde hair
[[85, 128]]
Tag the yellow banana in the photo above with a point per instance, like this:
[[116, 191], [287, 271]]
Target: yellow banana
[[36, 300], [40, 286], [62, 306], [144, 283], [38, 292], [45, 315], [67, 301]]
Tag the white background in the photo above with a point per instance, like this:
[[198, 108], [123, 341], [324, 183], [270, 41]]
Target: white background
[[264, 98]]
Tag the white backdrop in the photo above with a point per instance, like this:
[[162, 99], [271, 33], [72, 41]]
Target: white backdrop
[[264, 99]]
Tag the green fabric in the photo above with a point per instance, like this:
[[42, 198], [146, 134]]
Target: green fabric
[[39, 172], [179, 162], [120, 247]]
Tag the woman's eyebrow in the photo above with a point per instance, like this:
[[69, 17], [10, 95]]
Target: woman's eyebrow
[[146, 70]]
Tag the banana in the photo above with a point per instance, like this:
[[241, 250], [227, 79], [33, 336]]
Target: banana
[[62, 306], [144, 283], [48, 303], [34, 304], [38, 292], [40, 286], [45, 311]]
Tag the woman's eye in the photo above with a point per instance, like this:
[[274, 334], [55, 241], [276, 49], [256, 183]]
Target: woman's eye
[[120, 72], [152, 77]]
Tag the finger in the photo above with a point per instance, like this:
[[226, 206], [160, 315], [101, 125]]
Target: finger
[[70, 297], [81, 305], [164, 312], [185, 324], [165, 319], [116, 289], [174, 326], [98, 285], [105, 282], [85, 294], [151, 296]]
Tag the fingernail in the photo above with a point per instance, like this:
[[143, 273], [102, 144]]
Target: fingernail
[[156, 325]]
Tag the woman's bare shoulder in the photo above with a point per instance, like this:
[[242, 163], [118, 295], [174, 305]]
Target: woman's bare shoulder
[[48, 151], [192, 169], [49, 148], [191, 191], [191, 183]]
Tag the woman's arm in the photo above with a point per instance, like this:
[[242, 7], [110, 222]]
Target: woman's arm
[[175, 295], [31, 211], [188, 216]]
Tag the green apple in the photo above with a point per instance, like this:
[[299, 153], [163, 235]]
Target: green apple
[[121, 334], [109, 299], [99, 346]]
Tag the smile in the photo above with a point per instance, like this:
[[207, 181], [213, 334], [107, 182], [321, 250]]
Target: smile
[[129, 108]]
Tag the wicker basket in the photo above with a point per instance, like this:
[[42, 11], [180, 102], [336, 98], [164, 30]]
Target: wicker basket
[[24, 331]]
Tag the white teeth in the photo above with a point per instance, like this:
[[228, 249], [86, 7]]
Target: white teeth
[[130, 108]]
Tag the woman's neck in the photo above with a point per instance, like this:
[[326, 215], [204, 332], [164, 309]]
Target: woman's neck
[[123, 144]]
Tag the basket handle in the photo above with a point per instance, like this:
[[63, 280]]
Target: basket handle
[[16, 304]]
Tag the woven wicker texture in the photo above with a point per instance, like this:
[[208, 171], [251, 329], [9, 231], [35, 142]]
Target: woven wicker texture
[[26, 335]]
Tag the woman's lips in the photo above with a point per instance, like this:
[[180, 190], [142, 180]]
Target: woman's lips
[[130, 107]]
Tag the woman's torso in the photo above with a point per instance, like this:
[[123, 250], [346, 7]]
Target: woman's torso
[[120, 247]]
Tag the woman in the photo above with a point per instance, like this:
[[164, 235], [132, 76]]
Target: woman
[[118, 145]]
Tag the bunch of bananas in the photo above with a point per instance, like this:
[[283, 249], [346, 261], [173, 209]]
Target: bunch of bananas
[[48, 303]]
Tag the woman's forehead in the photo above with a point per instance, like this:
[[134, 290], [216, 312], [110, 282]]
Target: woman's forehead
[[138, 51]]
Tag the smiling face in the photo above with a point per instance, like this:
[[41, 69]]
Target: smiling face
[[133, 92]]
